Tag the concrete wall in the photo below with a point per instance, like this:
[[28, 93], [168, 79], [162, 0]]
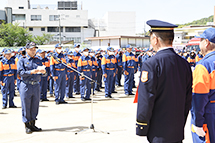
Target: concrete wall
[[15, 4]]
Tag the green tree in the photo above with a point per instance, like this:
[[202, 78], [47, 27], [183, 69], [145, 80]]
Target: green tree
[[13, 35], [202, 21], [44, 39]]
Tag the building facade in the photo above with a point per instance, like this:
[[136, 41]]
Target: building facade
[[115, 23], [118, 42], [73, 21]]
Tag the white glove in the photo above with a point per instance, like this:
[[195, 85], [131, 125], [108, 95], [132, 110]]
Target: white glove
[[199, 131]]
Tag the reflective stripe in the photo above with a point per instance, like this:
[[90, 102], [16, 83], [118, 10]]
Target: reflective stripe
[[86, 69], [60, 69], [130, 66], [144, 124], [8, 74], [110, 68], [93, 69], [69, 71]]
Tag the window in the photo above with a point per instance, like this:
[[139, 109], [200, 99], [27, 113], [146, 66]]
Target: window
[[53, 17], [31, 29], [19, 17], [21, 7], [73, 29], [36, 17], [43, 29], [54, 29]]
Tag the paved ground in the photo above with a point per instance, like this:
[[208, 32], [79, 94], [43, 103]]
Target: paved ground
[[60, 122]]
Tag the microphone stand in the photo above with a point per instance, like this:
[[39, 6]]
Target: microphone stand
[[91, 82]]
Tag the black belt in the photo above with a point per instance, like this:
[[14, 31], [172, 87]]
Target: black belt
[[31, 82]]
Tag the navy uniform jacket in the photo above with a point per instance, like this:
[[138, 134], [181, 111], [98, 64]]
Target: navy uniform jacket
[[164, 97], [24, 67]]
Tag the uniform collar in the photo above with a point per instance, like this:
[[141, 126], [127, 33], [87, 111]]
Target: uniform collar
[[29, 57], [210, 54], [164, 48], [6, 59]]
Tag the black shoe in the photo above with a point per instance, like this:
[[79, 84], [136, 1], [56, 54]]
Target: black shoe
[[98, 90], [13, 106], [57, 102], [120, 85], [28, 128], [110, 96], [33, 127], [44, 100], [77, 93], [4, 107], [71, 97], [63, 102], [131, 94], [93, 93], [83, 99], [134, 87], [15, 95], [87, 99], [101, 87], [114, 92]]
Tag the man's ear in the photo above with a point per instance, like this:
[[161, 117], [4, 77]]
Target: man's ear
[[207, 43]]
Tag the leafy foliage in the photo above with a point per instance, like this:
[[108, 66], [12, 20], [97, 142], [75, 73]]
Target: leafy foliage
[[202, 21], [11, 35]]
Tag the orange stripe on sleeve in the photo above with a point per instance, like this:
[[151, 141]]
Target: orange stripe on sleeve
[[124, 59], [103, 60], [52, 61], [201, 80], [212, 80], [16, 60], [1, 66], [80, 62]]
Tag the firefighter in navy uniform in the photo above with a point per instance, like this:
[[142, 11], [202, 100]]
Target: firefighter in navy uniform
[[76, 57], [119, 67], [129, 66], [165, 89], [70, 75], [99, 71], [85, 67], [94, 68], [59, 71], [44, 78], [203, 101], [29, 90], [8, 75], [109, 65]]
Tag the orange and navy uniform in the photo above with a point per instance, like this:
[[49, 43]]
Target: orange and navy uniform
[[191, 61], [85, 67], [198, 57], [76, 57], [70, 78], [56, 66], [59, 70], [8, 68], [46, 62], [8, 74], [129, 65], [203, 98], [109, 65]]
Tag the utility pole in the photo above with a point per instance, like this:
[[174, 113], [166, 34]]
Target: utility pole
[[59, 31]]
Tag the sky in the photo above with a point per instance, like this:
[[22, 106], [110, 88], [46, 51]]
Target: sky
[[173, 11]]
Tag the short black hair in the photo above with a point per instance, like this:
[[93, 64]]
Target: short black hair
[[166, 36]]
